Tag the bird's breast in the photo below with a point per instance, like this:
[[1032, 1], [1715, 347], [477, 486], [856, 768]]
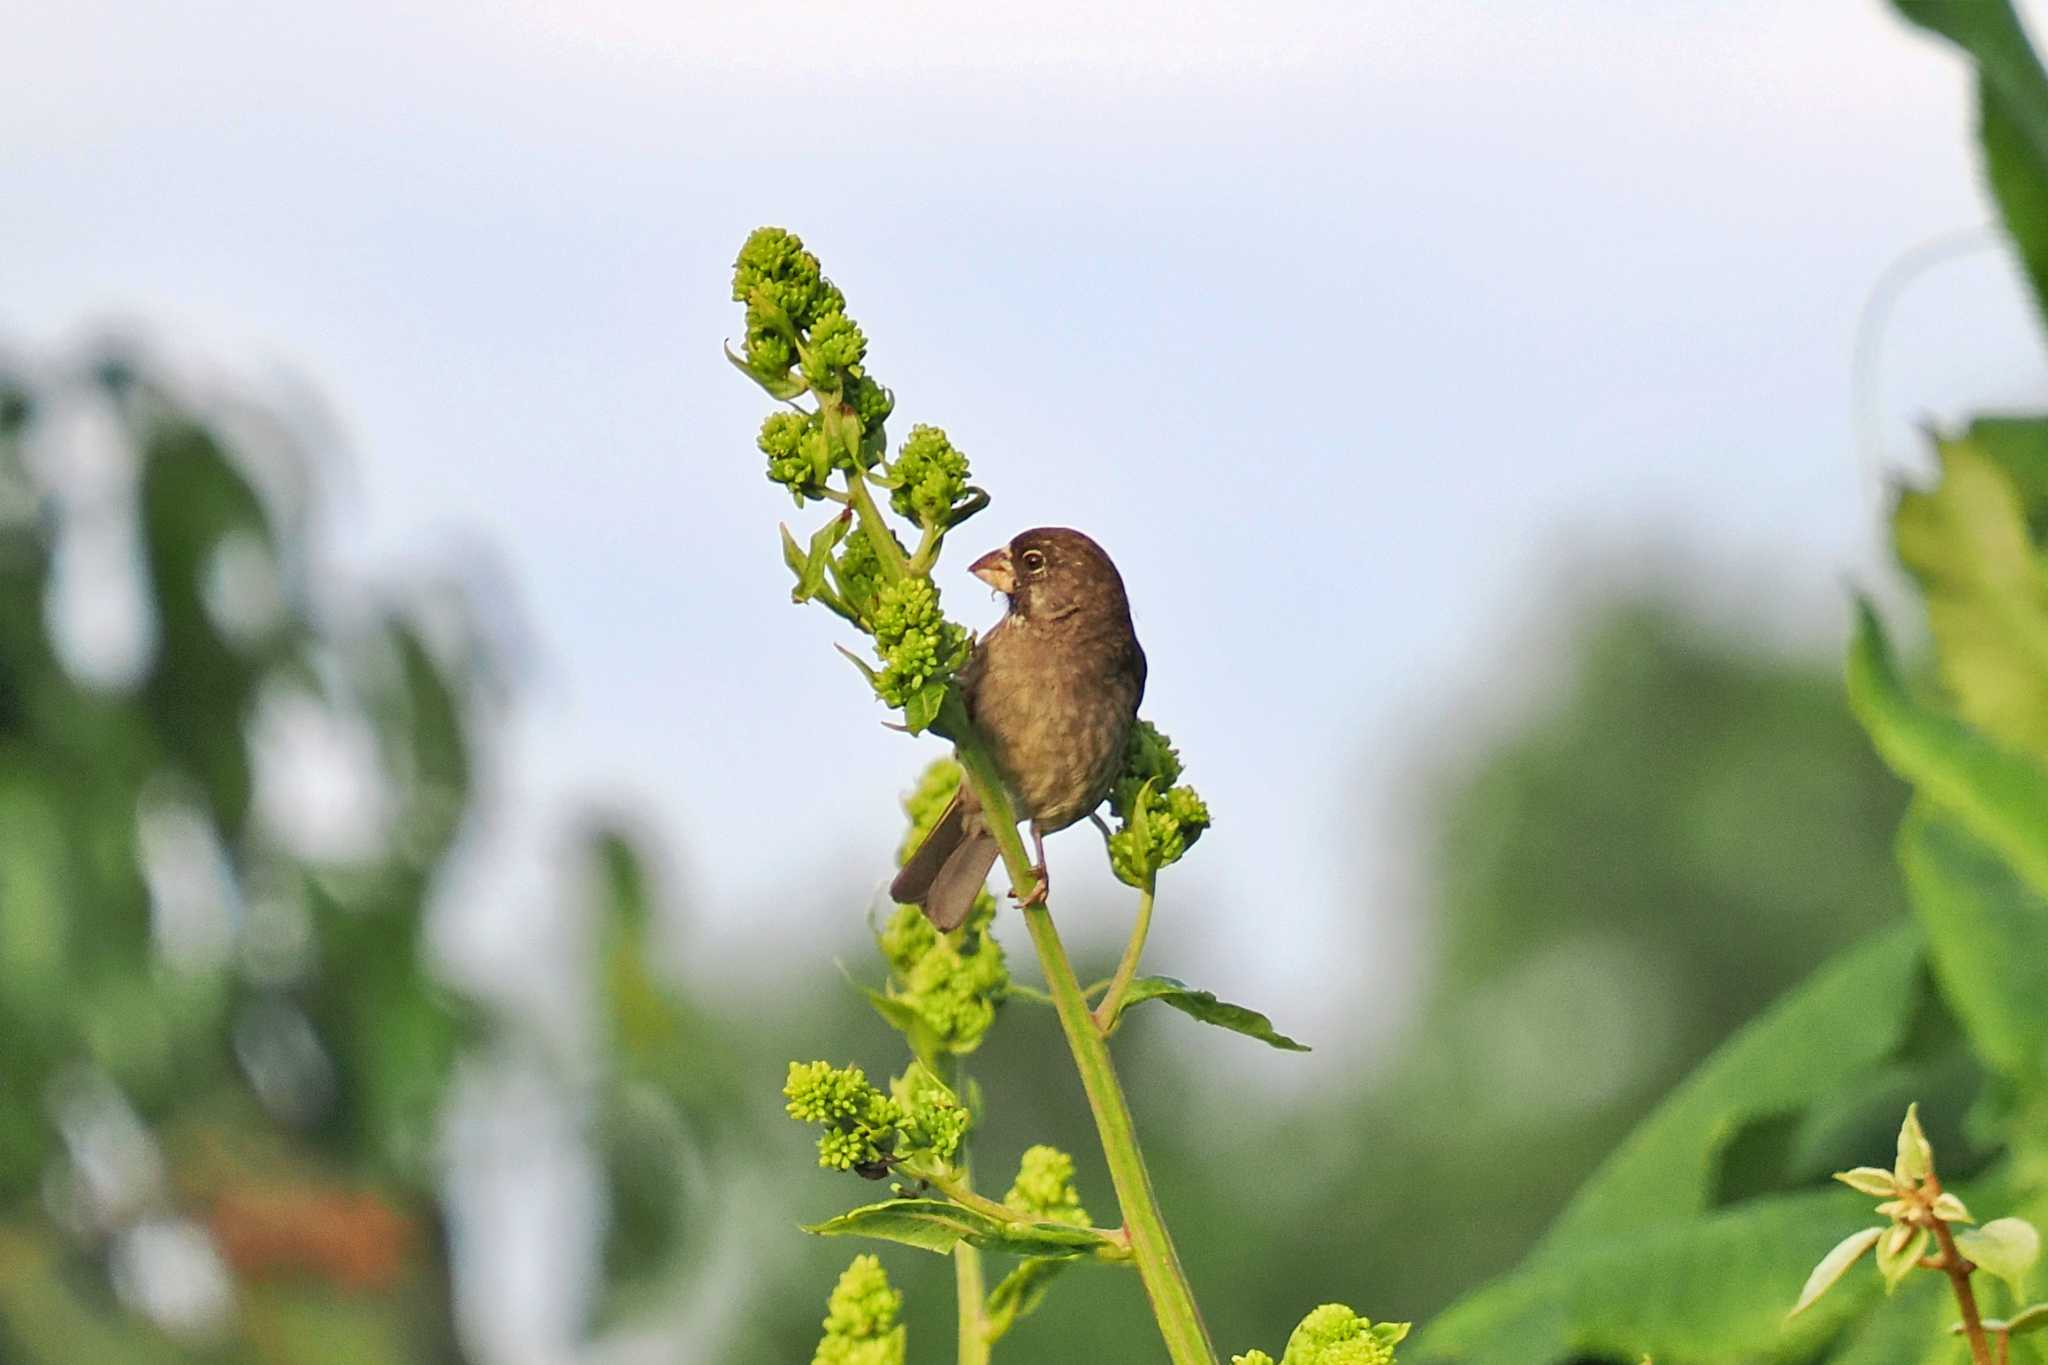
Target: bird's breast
[[1055, 720]]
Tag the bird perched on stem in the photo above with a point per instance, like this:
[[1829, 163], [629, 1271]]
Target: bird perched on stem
[[1054, 689]]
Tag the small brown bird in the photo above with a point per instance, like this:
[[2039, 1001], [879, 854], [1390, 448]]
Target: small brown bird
[[1054, 688]]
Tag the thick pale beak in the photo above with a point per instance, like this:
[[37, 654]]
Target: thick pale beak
[[994, 569]]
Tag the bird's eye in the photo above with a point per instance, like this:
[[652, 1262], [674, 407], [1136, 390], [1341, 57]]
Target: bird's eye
[[1034, 561]]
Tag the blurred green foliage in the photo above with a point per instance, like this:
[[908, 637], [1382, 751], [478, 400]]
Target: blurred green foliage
[[1674, 1246], [228, 1060]]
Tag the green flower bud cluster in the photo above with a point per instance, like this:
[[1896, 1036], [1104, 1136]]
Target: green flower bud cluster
[[860, 1121], [857, 573], [797, 318], [860, 1319], [865, 1129], [837, 343], [952, 982], [930, 477], [1149, 757], [934, 1120], [775, 272], [872, 404], [1334, 1335], [1160, 819], [1044, 1188], [918, 646], [786, 293], [799, 458]]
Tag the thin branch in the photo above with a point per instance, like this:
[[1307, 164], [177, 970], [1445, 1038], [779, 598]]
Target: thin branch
[[1958, 1271], [1113, 1003]]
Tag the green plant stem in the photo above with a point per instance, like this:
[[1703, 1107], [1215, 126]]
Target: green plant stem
[[963, 1194], [970, 1285], [928, 545], [1958, 1271], [1166, 1282], [972, 1291], [887, 552], [1112, 1003]]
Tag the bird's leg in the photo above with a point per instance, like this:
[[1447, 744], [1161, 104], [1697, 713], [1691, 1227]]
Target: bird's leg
[[1040, 891]]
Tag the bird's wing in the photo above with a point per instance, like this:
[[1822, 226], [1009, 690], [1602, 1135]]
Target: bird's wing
[[914, 882]]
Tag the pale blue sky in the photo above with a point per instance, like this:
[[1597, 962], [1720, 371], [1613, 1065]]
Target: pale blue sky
[[1353, 330]]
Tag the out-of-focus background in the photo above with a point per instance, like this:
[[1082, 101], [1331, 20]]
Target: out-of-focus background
[[426, 830]]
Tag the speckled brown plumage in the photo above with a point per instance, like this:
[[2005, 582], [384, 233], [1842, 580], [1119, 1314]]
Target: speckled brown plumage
[[1054, 688]]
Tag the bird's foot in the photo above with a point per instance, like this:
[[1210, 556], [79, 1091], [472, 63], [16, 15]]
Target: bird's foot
[[1038, 891]]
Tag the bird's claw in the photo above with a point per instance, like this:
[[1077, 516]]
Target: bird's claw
[[1038, 890]]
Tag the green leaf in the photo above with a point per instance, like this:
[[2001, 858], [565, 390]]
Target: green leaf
[[1019, 1294], [1904, 1328], [1967, 542], [419, 706], [792, 553], [1834, 1265], [645, 1150], [2017, 173], [40, 919], [940, 1225], [648, 1029], [811, 574], [1870, 1180], [1990, 31], [930, 1224], [1898, 1251], [858, 663], [2032, 1318], [194, 501], [2012, 96], [1987, 939], [923, 707], [1916, 1154], [975, 501], [640, 1136], [2001, 796], [2019, 446], [1825, 1038], [396, 1033], [158, 1033], [1206, 1007], [782, 389], [1691, 1289], [2007, 1247], [898, 1014]]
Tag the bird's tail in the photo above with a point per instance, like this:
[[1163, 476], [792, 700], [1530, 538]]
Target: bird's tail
[[953, 891], [948, 869]]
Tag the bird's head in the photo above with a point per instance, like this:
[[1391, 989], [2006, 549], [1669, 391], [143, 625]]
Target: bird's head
[[1050, 572]]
